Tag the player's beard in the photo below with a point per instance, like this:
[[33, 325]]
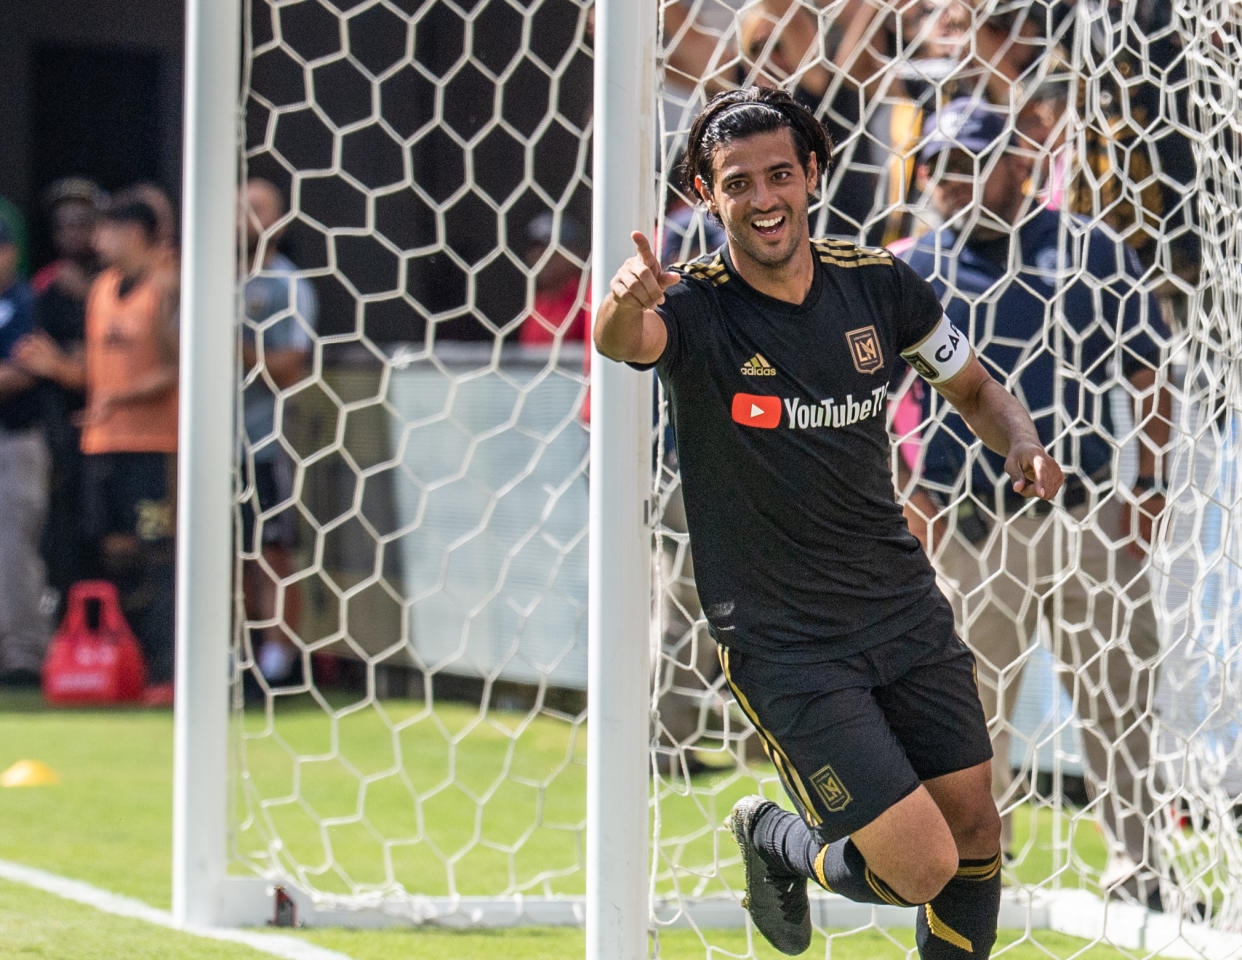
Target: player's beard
[[745, 240]]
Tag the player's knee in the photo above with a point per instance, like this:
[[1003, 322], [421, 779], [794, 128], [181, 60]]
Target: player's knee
[[977, 834], [926, 873]]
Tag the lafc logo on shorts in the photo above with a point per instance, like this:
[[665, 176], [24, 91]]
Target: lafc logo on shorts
[[830, 789], [756, 366], [865, 349]]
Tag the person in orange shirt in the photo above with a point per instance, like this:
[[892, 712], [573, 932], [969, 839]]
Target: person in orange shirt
[[129, 432], [129, 425]]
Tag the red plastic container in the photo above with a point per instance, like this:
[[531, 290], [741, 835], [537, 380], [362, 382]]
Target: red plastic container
[[97, 664]]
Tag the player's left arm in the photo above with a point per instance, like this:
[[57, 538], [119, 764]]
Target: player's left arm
[[945, 359], [1002, 423]]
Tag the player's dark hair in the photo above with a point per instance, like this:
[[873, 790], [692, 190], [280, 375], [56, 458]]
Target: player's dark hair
[[736, 114], [127, 208]]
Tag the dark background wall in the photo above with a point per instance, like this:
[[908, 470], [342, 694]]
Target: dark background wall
[[90, 87], [413, 154], [397, 160]]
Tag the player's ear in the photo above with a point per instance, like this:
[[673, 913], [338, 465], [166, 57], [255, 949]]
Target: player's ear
[[703, 191], [812, 174]]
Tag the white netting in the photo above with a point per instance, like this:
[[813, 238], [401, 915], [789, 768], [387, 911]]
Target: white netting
[[434, 156], [426, 756]]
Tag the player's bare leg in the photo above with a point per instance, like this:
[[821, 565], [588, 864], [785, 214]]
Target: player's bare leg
[[965, 801], [914, 823], [958, 836]]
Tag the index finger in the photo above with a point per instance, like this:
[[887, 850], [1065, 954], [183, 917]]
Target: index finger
[[643, 246]]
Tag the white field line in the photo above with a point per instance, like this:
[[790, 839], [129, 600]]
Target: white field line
[[278, 945]]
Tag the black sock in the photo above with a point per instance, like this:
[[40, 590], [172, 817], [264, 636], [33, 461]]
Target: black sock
[[841, 868], [783, 840], [789, 846], [960, 921]]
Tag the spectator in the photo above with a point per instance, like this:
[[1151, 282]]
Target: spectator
[[1014, 51], [129, 431], [782, 42], [1133, 166], [72, 205], [994, 264], [561, 286], [23, 485], [54, 352], [871, 75], [277, 340], [157, 198], [14, 224], [695, 53]]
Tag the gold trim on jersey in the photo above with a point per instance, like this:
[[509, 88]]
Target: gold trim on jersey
[[714, 271], [784, 769], [843, 253]]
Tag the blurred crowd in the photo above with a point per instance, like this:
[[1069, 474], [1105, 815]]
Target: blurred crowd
[[89, 420]]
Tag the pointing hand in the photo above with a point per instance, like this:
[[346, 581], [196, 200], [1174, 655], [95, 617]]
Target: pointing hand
[[640, 282]]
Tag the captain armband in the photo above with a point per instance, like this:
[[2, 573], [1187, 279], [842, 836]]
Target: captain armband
[[940, 355]]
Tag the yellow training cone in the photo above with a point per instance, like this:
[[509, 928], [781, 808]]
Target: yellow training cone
[[28, 773]]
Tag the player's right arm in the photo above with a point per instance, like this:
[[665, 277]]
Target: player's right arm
[[627, 327]]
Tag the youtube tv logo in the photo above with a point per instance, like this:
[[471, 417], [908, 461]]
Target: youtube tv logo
[[752, 410]]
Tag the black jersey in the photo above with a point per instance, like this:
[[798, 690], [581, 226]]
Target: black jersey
[[780, 414]]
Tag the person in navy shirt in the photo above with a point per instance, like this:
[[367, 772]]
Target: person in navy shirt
[[23, 485], [1057, 311]]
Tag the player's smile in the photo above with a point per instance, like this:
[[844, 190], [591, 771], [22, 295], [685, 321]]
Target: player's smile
[[769, 226]]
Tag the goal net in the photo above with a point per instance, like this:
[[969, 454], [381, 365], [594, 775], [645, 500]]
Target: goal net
[[409, 668]]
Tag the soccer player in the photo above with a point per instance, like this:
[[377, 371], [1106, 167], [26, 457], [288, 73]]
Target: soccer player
[[776, 353]]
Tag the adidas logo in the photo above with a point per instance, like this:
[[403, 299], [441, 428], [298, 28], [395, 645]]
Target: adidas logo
[[756, 366]]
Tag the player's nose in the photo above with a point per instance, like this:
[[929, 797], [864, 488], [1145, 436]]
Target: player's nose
[[762, 197]]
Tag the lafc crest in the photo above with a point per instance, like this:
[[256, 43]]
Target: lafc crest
[[830, 789], [865, 349]]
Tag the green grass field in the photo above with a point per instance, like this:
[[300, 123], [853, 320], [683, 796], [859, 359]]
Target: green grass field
[[468, 799]]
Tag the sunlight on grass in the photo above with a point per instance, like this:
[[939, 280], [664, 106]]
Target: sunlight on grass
[[390, 796]]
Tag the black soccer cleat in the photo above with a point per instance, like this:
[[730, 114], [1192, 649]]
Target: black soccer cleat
[[777, 902]]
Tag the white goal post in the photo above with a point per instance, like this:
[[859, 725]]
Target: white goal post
[[204, 545], [483, 730]]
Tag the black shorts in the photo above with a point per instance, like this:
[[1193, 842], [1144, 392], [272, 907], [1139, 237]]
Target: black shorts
[[266, 506], [130, 493], [851, 737]]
